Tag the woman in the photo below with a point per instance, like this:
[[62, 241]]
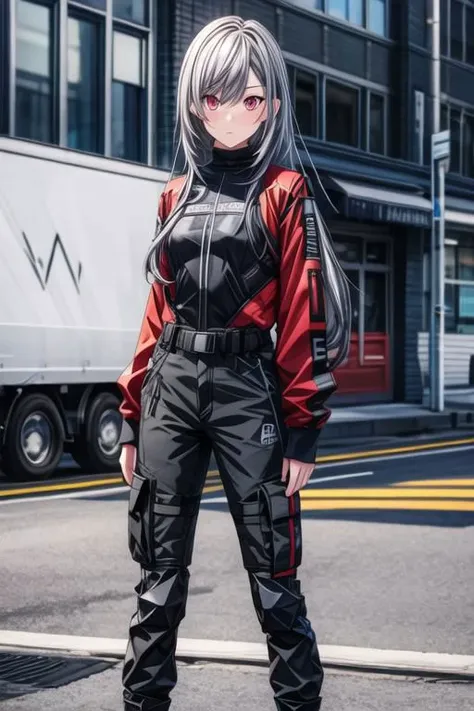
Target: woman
[[240, 246]]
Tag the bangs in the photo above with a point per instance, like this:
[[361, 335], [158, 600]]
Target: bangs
[[223, 65]]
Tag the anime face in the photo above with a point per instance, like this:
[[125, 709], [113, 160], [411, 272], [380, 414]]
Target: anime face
[[232, 125]]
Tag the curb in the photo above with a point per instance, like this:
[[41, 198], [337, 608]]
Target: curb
[[427, 664]]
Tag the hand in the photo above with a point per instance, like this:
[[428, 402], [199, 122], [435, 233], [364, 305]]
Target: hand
[[299, 474], [128, 458]]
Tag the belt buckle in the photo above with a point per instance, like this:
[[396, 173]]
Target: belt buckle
[[204, 342]]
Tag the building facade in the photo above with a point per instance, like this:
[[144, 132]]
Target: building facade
[[100, 76]]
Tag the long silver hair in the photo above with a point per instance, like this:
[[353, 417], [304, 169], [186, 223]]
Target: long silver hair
[[218, 60]]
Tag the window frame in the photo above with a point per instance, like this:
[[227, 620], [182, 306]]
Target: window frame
[[371, 93], [346, 85], [131, 23], [324, 9], [464, 115], [143, 34], [54, 62], [456, 282], [96, 18], [317, 86]]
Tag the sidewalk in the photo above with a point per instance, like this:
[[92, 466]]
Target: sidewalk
[[391, 419]]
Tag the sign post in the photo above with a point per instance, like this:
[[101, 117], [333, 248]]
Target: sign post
[[440, 152]]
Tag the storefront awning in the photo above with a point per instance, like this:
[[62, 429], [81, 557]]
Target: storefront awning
[[459, 211], [366, 202]]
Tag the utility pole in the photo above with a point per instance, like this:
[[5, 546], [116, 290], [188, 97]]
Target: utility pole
[[440, 149]]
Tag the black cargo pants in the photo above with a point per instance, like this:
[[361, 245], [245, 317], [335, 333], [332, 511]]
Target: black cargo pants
[[192, 403]]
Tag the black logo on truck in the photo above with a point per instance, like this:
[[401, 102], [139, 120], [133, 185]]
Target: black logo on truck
[[43, 272]]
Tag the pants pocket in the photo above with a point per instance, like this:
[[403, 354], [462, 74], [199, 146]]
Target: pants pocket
[[174, 525], [284, 516], [254, 533], [140, 514], [161, 526]]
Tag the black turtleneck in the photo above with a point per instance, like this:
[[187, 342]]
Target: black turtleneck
[[225, 159]]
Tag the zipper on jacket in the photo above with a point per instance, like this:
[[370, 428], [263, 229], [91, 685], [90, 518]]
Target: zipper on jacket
[[204, 263], [201, 270]]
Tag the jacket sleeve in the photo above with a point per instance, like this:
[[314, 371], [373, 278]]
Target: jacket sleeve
[[301, 350], [130, 382]]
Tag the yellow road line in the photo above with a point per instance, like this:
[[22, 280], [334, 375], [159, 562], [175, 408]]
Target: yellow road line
[[210, 489], [215, 474], [328, 505], [395, 450], [436, 482], [61, 487], [74, 486], [388, 493]]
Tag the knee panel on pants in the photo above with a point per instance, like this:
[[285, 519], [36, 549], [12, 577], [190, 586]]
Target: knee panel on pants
[[278, 602], [161, 526], [269, 528], [161, 598]]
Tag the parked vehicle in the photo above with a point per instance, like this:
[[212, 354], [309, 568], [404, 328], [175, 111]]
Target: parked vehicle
[[74, 229]]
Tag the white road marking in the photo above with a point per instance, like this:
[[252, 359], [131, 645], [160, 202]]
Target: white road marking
[[248, 652], [315, 480], [84, 493], [404, 455], [322, 465]]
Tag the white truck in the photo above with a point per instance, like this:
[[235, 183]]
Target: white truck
[[74, 230]]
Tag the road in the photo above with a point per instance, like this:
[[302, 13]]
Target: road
[[388, 541]]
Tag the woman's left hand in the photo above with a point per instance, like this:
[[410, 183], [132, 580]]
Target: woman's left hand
[[296, 473]]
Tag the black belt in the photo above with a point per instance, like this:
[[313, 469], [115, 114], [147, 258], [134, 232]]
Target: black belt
[[228, 340]]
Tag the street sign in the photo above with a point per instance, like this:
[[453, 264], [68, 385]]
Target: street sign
[[440, 145]]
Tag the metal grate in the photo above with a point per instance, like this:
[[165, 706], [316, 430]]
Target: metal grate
[[22, 674]]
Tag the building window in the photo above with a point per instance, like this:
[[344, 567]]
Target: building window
[[457, 30], [342, 114], [128, 96], [444, 117], [459, 291], [455, 127], [377, 124], [371, 14], [97, 4], [469, 34], [351, 10], [34, 72], [377, 20], [468, 146], [84, 85], [131, 10], [306, 102], [444, 27]]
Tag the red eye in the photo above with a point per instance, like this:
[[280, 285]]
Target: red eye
[[252, 102], [211, 102]]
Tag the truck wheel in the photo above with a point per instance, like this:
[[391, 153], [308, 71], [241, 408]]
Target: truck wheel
[[97, 448], [34, 439]]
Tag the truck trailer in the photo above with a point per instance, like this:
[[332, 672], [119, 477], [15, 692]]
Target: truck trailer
[[74, 230]]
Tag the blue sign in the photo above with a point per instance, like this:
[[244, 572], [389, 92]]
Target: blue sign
[[436, 209]]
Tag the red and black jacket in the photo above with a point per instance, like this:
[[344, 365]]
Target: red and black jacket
[[251, 293]]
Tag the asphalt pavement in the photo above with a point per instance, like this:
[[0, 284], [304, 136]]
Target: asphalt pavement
[[215, 687], [388, 563]]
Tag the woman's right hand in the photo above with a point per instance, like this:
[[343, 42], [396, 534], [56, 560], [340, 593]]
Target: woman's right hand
[[128, 458]]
